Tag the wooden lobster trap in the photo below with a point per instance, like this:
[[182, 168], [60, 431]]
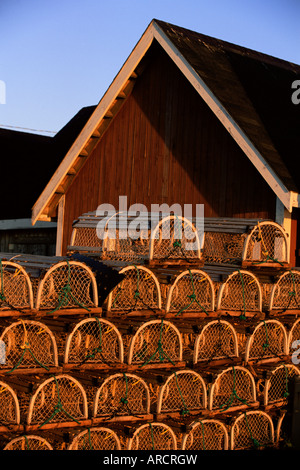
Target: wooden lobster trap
[[15, 286], [28, 442], [240, 295], [157, 342], [138, 290], [122, 396], [29, 345], [153, 436], [217, 341], [278, 384], [96, 438], [183, 393], [232, 389], [175, 239], [266, 245], [267, 343], [285, 293], [67, 284], [191, 292], [59, 401], [206, 434], [252, 430], [93, 343], [9, 407]]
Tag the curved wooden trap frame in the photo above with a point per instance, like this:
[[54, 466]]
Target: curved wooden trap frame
[[276, 388], [153, 436], [67, 284], [139, 290], [58, 399], [96, 438], [266, 243], [169, 242], [94, 341], [15, 287], [183, 392], [9, 406], [285, 292], [29, 344], [233, 388], [155, 342], [267, 342], [122, 395], [28, 443], [240, 292], [192, 291], [206, 434], [217, 340], [252, 430]]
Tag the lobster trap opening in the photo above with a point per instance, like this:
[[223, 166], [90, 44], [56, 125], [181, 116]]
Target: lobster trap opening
[[94, 341], [138, 290], [232, 388], [96, 438], [29, 344], [184, 392], [241, 292], [122, 395], [285, 293], [175, 238], [278, 384], [217, 340], [192, 291], [9, 406], [59, 399], [206, 434], [67, 284], [153, 436], [155, 342], [15, 287], [267, 342], [267, 243], [252, 430]]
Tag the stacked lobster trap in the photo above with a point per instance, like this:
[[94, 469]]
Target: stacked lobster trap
[[162, 338]]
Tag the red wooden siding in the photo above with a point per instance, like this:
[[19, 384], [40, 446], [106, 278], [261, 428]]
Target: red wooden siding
[[165, 145]]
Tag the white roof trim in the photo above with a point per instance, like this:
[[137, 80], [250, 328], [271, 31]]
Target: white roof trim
[[154, 31]]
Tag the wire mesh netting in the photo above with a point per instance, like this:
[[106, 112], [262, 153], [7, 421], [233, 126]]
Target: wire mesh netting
[[268, 340], [278, 385], [241, 292], [122, 394], [9, 405], [267, 242], [86, 237], [58, 399], [183, 392], [96, 439], [94, 341], [285, 292], [15, 287], [252, 430], [217, 340], [233, 387], [175, 237], [28, 344], [222, 247], [192, 291], [153, 436], [293, 338], [28, 443], [155, 342], [139, 290], [68, 284], [206, 434]]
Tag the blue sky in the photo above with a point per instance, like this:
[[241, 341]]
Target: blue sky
[[58, 56]]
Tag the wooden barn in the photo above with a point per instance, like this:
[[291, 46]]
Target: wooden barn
[[188, 119]]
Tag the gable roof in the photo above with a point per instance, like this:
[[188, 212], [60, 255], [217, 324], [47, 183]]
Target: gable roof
[[238, 84], [23, 151]]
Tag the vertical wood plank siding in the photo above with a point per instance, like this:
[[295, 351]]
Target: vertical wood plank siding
[[165, 145]]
